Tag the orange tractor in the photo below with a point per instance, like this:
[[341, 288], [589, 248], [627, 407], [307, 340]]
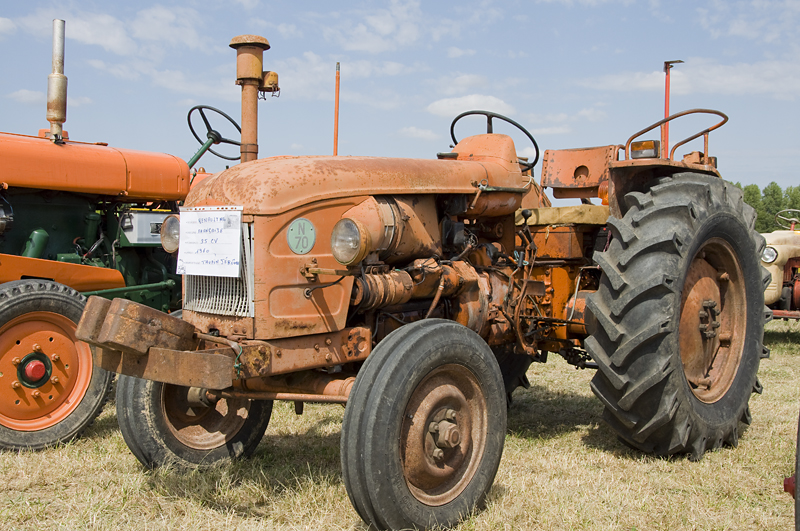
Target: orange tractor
[[418, 292], [76, 219]]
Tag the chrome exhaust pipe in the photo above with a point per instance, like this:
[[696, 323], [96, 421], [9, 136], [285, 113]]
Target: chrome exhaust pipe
[[57, 85]]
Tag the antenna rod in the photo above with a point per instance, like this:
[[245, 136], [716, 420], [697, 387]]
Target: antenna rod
[[336, 115], [665, 125]]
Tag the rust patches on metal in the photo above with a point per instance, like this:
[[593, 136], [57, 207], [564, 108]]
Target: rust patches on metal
[[212, 369], [133, 328], [577, 173]]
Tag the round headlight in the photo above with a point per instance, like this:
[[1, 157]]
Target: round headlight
[[171, 233], [769, 255], [349, 241]]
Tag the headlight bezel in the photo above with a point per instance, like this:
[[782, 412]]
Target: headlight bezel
[[350, 241], [169, 242], [769, 254]]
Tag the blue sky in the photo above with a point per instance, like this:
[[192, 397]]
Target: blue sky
[[576, 73]]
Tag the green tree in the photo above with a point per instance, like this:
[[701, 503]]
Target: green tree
[[792, 197], [752, 196], [773, 202]]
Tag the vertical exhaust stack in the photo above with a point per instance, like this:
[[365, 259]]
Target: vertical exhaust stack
[[249, 74], [57, 85]]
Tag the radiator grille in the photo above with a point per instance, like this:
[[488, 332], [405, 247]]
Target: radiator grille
[[224, 295]]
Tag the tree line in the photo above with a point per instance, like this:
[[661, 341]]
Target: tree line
[[769, 201]]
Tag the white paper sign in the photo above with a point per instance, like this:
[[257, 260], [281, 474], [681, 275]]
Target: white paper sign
[[211, 241]]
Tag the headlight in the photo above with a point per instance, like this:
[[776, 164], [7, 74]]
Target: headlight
[[769, 255], [349, 241], [171, 233]]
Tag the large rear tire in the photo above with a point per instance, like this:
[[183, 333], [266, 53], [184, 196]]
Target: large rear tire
[[50, 390], [424, 427], [679, 317], [162, 428]]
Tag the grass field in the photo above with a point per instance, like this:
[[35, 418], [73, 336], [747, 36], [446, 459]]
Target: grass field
[[562, 469]]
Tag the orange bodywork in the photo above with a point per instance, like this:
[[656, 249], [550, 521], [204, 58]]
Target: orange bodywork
[[33, 162], [76, 276]]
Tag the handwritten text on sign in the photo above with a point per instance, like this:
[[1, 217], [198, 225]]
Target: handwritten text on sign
[[211, 241]]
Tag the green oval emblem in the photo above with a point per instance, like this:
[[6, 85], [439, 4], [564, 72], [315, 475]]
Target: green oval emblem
[[301, 236]]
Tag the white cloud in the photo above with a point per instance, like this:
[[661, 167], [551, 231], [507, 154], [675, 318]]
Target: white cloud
[[7, 26], [456, 83], [766, 20], [78, 101], [449, 107], [247, 4], [176, 26], [777, 78], [28, 97], [453, 52], [415, 132], [296, 147], [289, 31]]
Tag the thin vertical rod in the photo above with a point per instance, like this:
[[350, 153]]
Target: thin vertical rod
[[665, 126], [336, 115]]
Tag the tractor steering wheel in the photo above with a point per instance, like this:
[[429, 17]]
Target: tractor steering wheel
[[788, 218], [489, 129], [212, 134]]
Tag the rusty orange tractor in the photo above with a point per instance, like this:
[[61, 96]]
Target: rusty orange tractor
[[418, 292]]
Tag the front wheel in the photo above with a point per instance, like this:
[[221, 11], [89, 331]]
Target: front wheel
[[50, 390], [424, 427], [679, 317], [162, 427]]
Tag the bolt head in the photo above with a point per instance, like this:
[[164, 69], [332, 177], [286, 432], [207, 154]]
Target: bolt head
[[15, 384], [450, 414], [433, 427], [37, 347], [54, 380], [15, 361], [36, 393], [438, 454]]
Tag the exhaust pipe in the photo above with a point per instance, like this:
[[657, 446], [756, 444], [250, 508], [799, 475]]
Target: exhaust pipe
[[57, 85], [250, 75]]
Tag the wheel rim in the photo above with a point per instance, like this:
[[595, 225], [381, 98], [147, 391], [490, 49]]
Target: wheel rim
[[712, 324], [443, 434], [202, 427], [29, 402]]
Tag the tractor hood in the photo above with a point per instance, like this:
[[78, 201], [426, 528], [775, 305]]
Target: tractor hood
[[276, 185]]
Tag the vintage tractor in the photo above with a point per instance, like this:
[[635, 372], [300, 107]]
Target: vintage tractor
[[75, 219], [418, 292], [781, 257]]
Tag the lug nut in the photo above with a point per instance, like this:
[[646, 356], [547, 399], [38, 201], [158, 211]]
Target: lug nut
[[433, 427], [55, 357], [15, 361], [54, 380], [15, 384], [36, 393], [450, 414], [438, 454], [37, 347]]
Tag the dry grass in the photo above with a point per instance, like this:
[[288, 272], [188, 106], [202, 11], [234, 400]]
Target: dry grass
[[562, 469]]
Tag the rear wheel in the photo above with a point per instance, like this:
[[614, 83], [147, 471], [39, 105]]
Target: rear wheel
[[50, 390], [163, 427], [679, 317], [424, 427]]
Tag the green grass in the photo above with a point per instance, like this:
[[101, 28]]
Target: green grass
[[562, 468]]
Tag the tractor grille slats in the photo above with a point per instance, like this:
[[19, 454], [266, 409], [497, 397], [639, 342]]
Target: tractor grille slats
[[224, 295]]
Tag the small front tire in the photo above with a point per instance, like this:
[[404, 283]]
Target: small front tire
[[162, 428]]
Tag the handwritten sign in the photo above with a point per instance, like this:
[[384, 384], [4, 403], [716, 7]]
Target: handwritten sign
[[211, 241]]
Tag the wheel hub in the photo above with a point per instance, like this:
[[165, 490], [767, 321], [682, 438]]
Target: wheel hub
[[712, 320], [442, 433], [44, 371]]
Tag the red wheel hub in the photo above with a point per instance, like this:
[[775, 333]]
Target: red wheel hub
[[35, 371]]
